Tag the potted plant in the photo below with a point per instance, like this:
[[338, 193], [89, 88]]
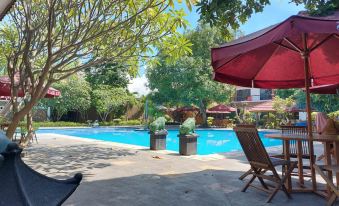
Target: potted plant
[[158, 134], [188, 138]]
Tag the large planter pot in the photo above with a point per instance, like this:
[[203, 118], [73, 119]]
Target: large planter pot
[[188, 144], [158, 140]]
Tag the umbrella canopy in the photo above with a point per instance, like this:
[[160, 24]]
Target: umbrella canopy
[[325, 89], [221, 109], [274, 57], [5, 6], [5, 88], [298, 52]]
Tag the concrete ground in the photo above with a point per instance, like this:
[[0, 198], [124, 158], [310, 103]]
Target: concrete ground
[[118, 175]]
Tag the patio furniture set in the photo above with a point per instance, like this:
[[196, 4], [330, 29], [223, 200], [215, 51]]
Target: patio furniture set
[[296, 146]]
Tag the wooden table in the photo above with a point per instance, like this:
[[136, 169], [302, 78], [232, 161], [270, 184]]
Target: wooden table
[[326, 139]]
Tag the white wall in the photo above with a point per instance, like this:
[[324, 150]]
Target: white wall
[[302, 116]]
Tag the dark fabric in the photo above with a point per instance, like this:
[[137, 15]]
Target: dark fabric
[[262, 60], [20, 185]]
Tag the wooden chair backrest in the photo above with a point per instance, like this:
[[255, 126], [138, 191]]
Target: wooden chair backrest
[[297, 130], [253, 147]]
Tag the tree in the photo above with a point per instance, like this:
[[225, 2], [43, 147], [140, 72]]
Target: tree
[[320, 102], [45, 41], [189, 79], [285, 93], [108, 74], [107, 99], [280, 105], [75, 96], [229, 15]]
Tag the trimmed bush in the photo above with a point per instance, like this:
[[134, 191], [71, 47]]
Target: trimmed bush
[[56, 124]]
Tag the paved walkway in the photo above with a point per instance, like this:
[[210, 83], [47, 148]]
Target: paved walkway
[[117, 175]]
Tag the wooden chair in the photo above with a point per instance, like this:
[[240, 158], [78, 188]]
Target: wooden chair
[[334, 189], [261, 163], [298, 130]]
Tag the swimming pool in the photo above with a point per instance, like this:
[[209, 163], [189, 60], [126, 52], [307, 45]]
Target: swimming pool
[[209, 142]]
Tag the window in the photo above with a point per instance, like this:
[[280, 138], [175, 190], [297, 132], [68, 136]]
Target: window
[[265, 94], [242, 95]]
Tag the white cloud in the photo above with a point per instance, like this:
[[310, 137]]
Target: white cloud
[[139, 85]]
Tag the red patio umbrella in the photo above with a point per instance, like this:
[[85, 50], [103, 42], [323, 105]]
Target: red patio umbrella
[[263, 107], [221, 109], [5, 88], [292, 54], [325, 89]]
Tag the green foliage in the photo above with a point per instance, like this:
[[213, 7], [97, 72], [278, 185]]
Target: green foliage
[[113, 74], [280, 105], [334, 115], [168, 118], [121, 123], [107, 100], [285, 93], [320, 102], [248, 117], [210, 121], [227, 15], [188, 80], [157, 125], [47, 41], [75, 96], [271, 121], [57, 124], [187, 127]]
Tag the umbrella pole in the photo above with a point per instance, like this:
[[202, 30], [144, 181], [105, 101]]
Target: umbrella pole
[[305, 56]]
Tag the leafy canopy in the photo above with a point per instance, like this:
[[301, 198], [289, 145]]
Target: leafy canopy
[[75, 96], [189, 79], [230, 14], [46, 41], [107, 99]]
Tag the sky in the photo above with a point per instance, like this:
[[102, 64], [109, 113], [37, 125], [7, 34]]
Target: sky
[[278, 11]]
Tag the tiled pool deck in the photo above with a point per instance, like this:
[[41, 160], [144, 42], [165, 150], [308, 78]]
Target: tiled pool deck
[[116, 174]]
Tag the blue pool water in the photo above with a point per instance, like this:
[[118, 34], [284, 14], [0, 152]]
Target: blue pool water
[[209, 141]]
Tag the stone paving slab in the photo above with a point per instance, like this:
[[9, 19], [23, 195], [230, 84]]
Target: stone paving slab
[[116, 174]]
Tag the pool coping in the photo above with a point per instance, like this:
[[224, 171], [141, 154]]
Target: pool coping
[[136, 127], [204, 157]]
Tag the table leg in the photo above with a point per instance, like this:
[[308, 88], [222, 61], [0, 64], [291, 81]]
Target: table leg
[[300, 163], [287, 157], [327, 154], [336, 158]]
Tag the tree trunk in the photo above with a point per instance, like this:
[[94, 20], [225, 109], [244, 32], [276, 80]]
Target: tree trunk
[[202, 107], [20, 115], [30, 130]]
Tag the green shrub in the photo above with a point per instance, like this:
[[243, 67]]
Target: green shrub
[[116, 121], [119, 122], [106, 123], [210, 121], [168, 118], [130, 122], [55, 124], [334, 115]]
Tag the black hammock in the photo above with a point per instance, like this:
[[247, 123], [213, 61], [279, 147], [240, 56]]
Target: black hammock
[[21, 185]]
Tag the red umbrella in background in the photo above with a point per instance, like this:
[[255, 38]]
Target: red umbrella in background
[[221, 109], [298, 52], [5, 88], [325, 89]]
